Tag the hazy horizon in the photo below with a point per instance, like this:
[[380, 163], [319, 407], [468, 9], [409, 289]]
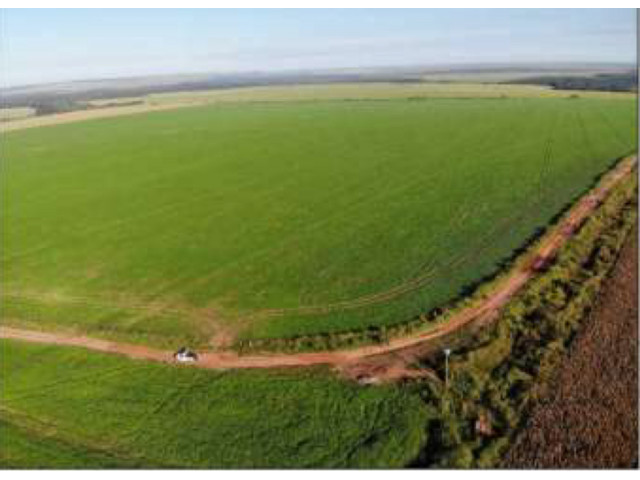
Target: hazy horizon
[[49, 46]]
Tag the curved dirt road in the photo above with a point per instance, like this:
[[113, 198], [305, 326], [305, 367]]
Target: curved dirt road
[[385, 361]]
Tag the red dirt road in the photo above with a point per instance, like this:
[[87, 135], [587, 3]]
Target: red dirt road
[[387, 361]]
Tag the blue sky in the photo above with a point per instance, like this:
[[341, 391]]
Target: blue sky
[[51, 45]]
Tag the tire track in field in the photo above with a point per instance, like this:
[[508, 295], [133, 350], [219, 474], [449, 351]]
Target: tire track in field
[[173, 398], [37, 391], [486, 308], [157, 309], [422, 280], [160, 310], [108, 303], [364, 301], [153, 308], [367, 300], [89, 301], [387, 295], [410, 285], [585, 134], [46, 428], [364, 199], [46, 298], [616, 133], [164, 209]]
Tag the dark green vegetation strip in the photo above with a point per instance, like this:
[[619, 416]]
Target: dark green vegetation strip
[[66, 407], [496, 377], [167, 228]]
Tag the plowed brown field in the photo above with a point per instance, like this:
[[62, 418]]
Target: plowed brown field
[[589, 418]]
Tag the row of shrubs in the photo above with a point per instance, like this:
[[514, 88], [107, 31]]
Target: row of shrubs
[[497, 381]]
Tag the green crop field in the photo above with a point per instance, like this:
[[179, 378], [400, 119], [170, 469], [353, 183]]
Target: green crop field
[[65, 407], [364, 91], [270, 220]]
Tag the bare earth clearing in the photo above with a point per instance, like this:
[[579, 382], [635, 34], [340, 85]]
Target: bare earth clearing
[[384, 362]]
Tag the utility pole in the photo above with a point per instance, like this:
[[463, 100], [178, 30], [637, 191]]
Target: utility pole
[[447, 352]]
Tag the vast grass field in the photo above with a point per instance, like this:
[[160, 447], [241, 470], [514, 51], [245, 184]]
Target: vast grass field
[[445, 86], [281, 219], [66, 407], [368, 91]]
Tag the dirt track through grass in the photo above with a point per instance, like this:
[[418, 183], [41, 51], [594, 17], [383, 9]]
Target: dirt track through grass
[[486, 308], [186, 226]]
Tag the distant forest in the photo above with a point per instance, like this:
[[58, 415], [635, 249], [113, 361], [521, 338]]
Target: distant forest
[[612, 82], [56, 100]]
